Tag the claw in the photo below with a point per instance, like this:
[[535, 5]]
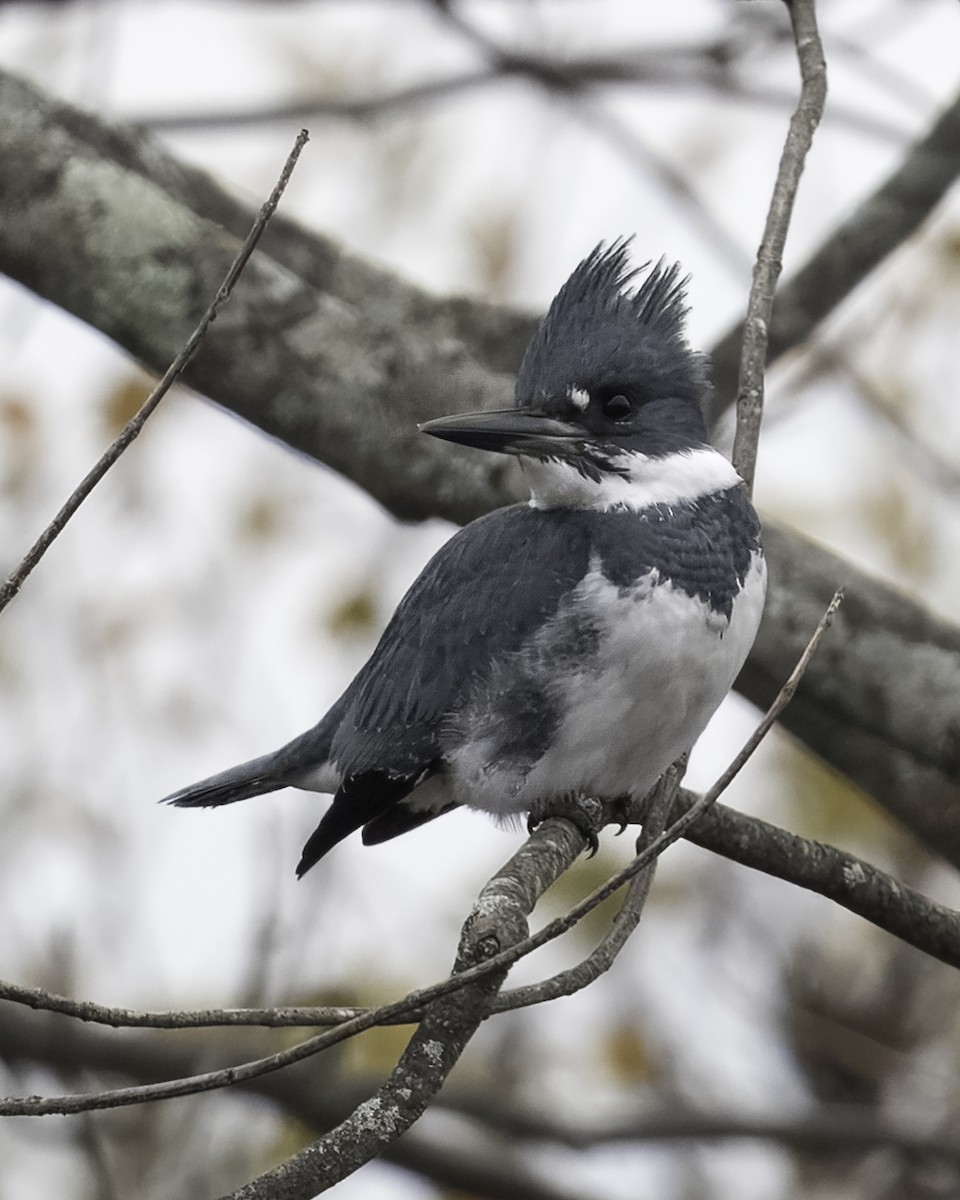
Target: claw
[[620, 812], [573, 810]]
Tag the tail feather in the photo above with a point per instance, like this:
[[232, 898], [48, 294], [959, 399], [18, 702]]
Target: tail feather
[[304, 762], [253, 778]]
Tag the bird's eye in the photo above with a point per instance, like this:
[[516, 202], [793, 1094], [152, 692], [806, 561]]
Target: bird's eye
[[617, 408]]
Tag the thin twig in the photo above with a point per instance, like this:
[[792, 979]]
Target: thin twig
[[288, 1016], [657, 806], [766, 272], [833, 1128], [212, 1080], [133, 427]]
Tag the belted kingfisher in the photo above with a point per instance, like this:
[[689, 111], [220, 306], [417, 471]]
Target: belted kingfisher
[[575, 645]]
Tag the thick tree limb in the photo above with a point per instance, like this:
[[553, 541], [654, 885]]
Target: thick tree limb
[[341, 360], [849, 881]]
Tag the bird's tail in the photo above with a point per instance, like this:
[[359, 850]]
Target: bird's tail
[[253, 778]]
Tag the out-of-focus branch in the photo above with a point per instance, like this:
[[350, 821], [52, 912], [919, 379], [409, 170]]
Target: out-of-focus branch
[[341, 360], [881, 223], [766, 272], [338, 379], [668, 68], [843, 1128]]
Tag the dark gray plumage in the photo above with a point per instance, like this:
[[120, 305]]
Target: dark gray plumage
[[618, 604]]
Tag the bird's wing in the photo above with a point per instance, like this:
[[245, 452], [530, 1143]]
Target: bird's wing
[[479, 598], [483, 594]]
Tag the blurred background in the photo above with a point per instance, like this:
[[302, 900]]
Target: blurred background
[[217, 592]]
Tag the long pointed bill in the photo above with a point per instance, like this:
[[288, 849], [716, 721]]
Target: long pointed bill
[[508, 431]]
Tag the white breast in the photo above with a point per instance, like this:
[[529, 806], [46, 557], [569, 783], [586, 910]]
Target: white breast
[[664, 662]]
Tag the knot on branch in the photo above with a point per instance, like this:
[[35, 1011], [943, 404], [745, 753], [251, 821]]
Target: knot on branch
[[492, 926]]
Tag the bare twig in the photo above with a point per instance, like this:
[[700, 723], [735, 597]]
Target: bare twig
[[766, 272], [133, 427], [466, 1165], [288, 1016], [554, 840]]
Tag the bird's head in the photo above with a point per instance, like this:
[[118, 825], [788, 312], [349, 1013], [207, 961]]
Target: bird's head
[[609, 396]]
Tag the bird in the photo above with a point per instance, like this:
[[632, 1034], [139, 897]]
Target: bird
[[571, 646]]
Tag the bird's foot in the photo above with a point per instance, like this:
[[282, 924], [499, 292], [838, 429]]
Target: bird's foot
[[584, 813], [620, 811]]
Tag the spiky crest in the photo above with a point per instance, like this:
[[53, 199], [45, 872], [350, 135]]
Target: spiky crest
[[600, 329], [599, 283]]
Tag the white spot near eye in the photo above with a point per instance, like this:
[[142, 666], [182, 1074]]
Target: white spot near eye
[[579, 397]]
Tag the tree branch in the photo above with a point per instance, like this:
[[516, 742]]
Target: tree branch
[[766, 272], [656, 812], [851, 882], [836, 1128], [497, 923], [882, 702], [466, 1164]]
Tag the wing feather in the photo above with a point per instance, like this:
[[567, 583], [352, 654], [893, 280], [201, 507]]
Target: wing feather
[[483, 594]]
